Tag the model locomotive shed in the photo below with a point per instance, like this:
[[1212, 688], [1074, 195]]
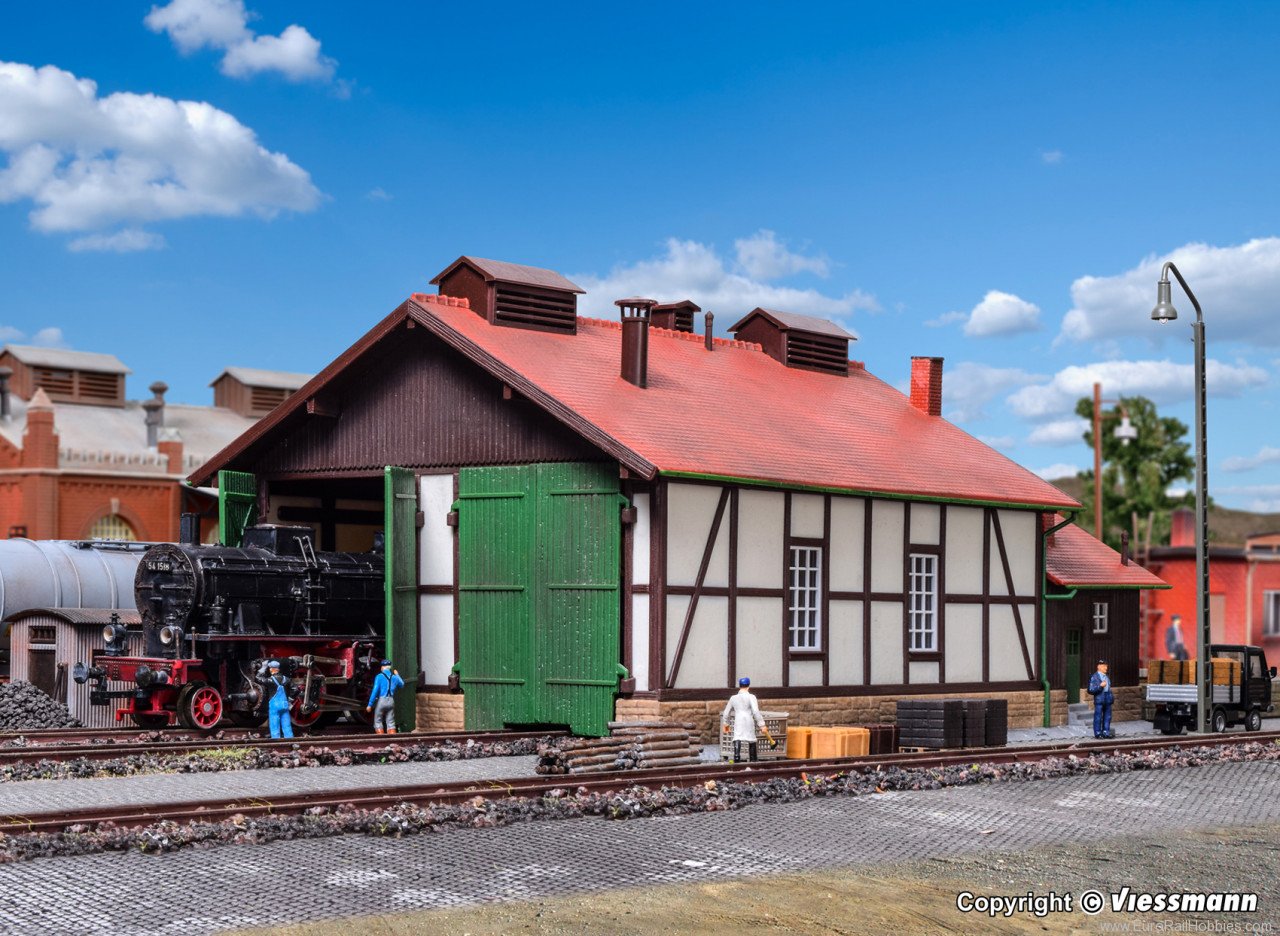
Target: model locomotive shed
[[588, 519]]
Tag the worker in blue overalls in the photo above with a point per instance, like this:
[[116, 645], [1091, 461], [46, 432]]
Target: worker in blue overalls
[[1100, 689], [382, 700], [278, 703]]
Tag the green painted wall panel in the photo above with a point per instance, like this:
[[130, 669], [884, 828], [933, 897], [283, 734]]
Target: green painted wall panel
[[400, 509], [237, 505]]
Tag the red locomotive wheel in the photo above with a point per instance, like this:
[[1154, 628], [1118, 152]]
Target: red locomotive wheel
[[200, 706]]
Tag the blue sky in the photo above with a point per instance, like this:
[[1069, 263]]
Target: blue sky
[[256, 183]]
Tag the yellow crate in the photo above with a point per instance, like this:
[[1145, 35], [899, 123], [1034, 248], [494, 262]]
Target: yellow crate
[[799, 741], [856, 742]]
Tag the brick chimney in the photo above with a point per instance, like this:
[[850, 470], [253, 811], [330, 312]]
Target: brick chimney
[[169, 444], [635, 339], [1183, 530], [40, 441], [926, 385]]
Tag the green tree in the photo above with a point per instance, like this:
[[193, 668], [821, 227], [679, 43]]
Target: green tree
[[1136, 477]]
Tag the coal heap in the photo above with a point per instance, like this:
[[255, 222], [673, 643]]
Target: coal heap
[[23, 707]]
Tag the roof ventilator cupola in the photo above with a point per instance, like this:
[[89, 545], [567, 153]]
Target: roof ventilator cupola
[[513, 295], [635, 339], [676, 316], [800, 341]]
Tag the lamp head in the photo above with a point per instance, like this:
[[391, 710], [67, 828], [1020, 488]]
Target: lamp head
[[1164, 310], [1125, 432]]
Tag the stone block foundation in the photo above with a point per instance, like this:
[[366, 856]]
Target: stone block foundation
[[440, 711]]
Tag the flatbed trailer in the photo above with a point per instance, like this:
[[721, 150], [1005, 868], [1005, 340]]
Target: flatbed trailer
[[1241, 702]]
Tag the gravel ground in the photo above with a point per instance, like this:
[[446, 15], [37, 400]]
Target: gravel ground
[[912, 897]]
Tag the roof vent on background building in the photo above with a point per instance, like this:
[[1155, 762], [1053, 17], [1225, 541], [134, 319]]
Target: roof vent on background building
[[66, 376], [513, 295], [154, 410], [252, 392], [798, 340], [677, 316], [5, 374], [635, 339]]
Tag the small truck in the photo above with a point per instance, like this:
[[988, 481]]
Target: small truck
[[1241, 701]]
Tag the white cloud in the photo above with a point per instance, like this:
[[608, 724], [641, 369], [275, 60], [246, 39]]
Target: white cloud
[[9, 333], [969, 386], [1161, 381], [1267, 455], [1002, 313], [90, 162], [761, 256], [1059, 432], [378, 194], [124, 241], [692, 270], [1236, 286], [947, 318], [1055, 471], [50, 337], [1264, 498], [223, 24], [1051, 157]]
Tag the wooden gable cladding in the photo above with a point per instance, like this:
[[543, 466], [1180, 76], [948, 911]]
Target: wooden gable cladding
[[513, 295], [412, 401], [799, 341]]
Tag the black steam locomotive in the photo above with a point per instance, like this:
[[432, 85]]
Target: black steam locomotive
[[212, 615]]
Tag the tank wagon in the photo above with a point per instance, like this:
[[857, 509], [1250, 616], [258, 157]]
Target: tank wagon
[[213, 615]]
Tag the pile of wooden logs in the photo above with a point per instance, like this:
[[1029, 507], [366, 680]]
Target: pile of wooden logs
[[633, 745]]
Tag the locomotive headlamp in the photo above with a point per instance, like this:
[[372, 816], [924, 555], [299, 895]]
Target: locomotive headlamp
[[82, 674], [114, 636], [170, 635]]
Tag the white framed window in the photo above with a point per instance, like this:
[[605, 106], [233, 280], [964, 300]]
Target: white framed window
[[1101, 611], [1271, 613], [805, 605], [923, 611]]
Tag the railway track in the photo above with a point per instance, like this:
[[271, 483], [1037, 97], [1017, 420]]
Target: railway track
[[452, 793], [68, 749]]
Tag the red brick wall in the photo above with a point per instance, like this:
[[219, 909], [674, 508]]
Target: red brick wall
[[1226, 579], [150, 506], [11, 506]]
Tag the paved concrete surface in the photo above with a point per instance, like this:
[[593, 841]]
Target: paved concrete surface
[[200, 891], [29, 797], [1126, 729]]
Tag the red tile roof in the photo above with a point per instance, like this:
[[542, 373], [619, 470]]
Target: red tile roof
[[1074, 558], [737, 413]]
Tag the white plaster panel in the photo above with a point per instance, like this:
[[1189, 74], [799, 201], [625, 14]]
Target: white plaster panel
[[435, 539], [845, 651], [847, 517], [964, 640], [998, 584], [760, 540], [922, 673], [806, 673], [640, 641], [1007, 664], [640, 543], [886, 642], [806, 515], [677, 607], [1019, 529], [886, 548], [926, 520], [963, 553], [705, 661], [435, 637], [759, 633], [691, 508]]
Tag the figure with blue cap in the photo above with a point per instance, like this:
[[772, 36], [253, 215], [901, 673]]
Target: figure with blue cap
[[382, 700], [278, 686], [1100, 689], [742, 716]]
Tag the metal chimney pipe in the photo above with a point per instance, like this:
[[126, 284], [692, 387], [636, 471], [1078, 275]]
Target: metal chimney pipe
[[635, 339], [155, 412], [5, 374], [710, 319]]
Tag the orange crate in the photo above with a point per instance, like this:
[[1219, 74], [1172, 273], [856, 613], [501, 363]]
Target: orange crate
[[799, 741], [857, 742], [825, 743]]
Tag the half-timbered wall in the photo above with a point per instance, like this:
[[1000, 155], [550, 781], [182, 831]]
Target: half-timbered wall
[[728, 555]]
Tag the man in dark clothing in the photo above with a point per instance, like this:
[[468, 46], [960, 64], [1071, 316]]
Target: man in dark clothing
[[1173, 644], [1100, 689]]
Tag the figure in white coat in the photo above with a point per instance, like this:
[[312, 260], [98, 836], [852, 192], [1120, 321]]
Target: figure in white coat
[[746, 718]]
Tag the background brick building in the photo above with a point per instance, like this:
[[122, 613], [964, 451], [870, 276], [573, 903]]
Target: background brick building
[[78, 460]]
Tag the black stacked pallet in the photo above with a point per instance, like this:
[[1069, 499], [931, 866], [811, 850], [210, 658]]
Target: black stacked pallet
[[975, 722], [930, 723], [997, 722]]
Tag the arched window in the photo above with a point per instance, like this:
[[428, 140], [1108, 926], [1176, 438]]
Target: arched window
[[112, 527]]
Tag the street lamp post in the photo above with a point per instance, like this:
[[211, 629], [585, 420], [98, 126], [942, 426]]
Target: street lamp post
[[1124, 432], [1165, 312]]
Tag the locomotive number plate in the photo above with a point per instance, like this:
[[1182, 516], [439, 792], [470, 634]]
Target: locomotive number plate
[[159, 565]]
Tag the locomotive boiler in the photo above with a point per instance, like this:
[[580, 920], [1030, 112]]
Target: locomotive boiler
[[212, 614]]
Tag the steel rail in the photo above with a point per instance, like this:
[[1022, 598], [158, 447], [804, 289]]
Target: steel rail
[[438, 794]]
